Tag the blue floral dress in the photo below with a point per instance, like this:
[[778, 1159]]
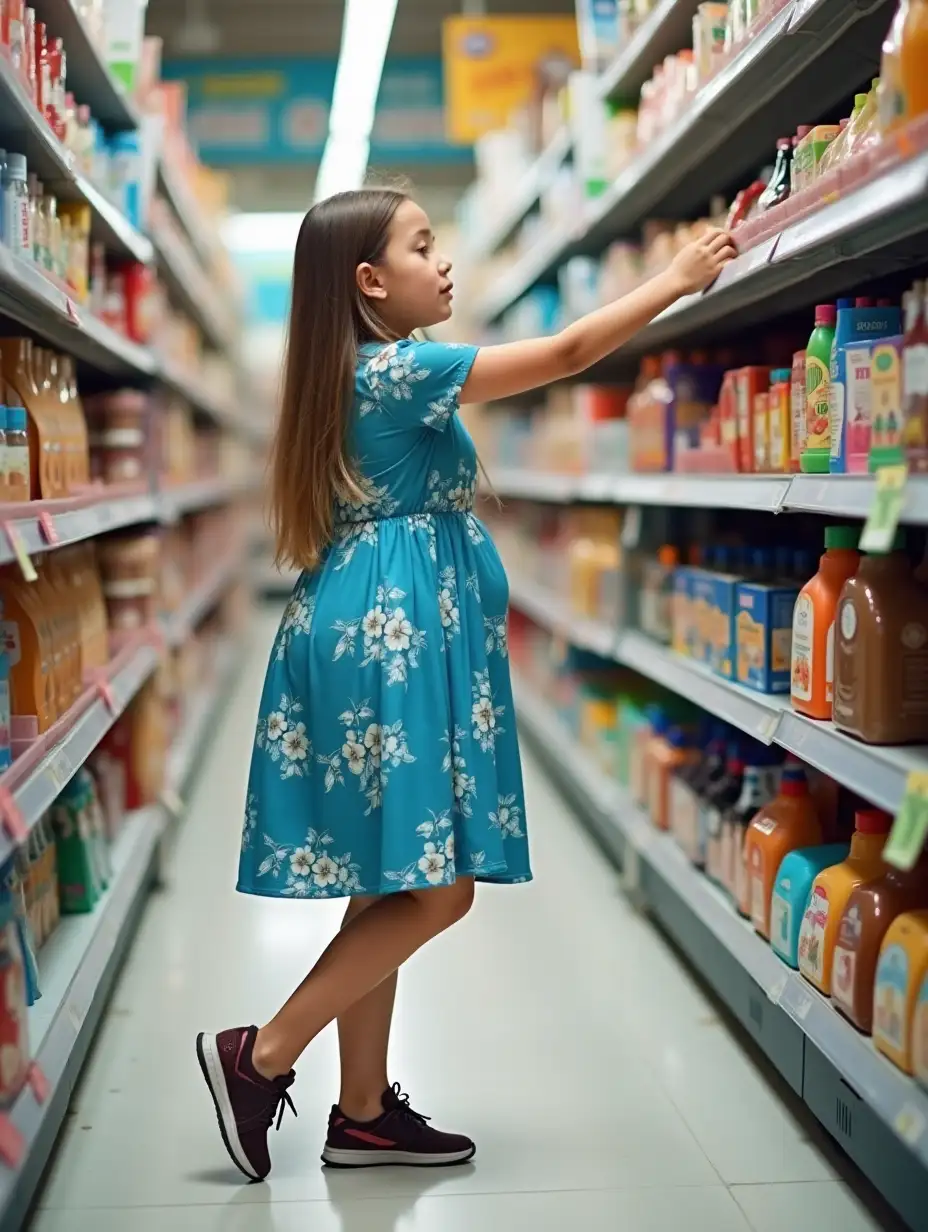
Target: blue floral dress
[[386, 755]]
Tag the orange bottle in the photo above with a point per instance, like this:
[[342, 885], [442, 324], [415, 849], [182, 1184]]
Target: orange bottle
[[831, 889], [913, 57], [812, 669], [788, 822]]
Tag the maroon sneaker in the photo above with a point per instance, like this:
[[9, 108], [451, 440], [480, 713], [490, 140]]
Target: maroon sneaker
[[398, 1136], [246, 1102]]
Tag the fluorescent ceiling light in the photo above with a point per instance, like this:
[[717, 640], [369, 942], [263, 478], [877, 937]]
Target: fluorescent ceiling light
[[260, 233], [365, 36]]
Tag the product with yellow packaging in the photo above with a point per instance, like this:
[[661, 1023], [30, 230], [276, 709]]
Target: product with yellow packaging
[[900, 971], [764, 636]]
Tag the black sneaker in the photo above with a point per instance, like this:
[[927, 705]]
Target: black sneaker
[[246, 1102], [398, 1136]]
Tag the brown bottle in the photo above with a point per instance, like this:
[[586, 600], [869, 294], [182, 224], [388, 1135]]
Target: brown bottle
[[17, 371], [870, 910], [881, 652], [915, 381]]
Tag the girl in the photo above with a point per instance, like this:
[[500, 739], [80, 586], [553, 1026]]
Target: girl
[[386, 766]]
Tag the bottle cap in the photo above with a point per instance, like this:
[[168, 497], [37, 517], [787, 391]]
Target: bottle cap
[[794, 781], [16, 419], [843, 303], [669, 556], [780, 375], [872, 821], [841, 537], [826, 314], [863, 301]]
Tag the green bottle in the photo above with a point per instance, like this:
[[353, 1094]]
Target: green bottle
[[815, 458]]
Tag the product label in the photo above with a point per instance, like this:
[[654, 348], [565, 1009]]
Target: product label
[[803, 648], [781, 923], [892, 978], [9, 632], [848, 620], [836, 416], [797, 399], [858, 406], [920, 1034], [812, 936], [779, 446], [842, 979], [830, 664], [915, 371], [758, 900], [818, 409]]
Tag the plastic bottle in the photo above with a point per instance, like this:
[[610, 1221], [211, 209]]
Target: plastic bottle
[[719, 798], [913, 59], [813, 644], [780, 421], [816, 455], [778, 186], [797, 407], [915, 380], [881, 651], [16, 452], [760, 785], [900, 970], [871, 909], [688, 784], [787, 822], [674, 751], [890, 97], [791, 890], [16, 204]]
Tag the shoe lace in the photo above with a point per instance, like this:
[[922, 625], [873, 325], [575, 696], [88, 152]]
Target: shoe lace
[[405, 1109], [278, 1105]]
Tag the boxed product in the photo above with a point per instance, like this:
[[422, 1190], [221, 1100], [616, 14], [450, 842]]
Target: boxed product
[[764, 627]]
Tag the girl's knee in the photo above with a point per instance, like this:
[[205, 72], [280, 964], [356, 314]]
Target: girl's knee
[[449, 904]]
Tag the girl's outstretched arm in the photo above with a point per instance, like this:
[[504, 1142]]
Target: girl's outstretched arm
[[514, 367]]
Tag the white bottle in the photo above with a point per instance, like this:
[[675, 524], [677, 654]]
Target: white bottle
[[17, 230]]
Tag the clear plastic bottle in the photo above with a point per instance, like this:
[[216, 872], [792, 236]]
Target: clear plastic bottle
[[16, 206]]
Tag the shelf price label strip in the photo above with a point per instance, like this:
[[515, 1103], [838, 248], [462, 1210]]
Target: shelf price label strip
[[907, 836], [885, 511]]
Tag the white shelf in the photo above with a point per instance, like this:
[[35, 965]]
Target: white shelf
[[667, 28], [24, 131], [74, 522], [181, 624], [894, 1097], [849, 496], [192, 290], [876, 773]]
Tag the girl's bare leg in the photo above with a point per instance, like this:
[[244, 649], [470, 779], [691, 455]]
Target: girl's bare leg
[[368, 949], [364, 1039]]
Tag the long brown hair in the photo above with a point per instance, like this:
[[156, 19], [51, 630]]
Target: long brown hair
[[329, 319]]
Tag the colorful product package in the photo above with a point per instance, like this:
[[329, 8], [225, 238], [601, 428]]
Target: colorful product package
[[721, 622], [764, 636]]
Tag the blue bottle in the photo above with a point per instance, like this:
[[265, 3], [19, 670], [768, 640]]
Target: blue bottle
[[859, 325], [791, 892]]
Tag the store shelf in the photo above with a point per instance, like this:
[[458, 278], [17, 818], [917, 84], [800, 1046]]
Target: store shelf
[[80, 961], [525, 196], [37, 777], [213, 405], [878, 774], [831, 45], [23, 130], [667, 28], [848, 496], [179, 626], [189, 214], [191, 289], [89, 78], [73, 521], [836, 1070]]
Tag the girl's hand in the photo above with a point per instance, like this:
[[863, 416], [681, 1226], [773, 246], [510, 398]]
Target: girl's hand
[[697, 266]]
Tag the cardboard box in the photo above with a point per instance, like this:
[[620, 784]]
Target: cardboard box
[[764, 630]]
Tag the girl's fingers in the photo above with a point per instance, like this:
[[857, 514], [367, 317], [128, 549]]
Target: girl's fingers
[[728, 253], [719, 241]]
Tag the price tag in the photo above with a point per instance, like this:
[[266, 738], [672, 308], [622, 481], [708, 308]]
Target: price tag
[[631, 868], [803, 1005], [76, 1017], [907, 837], [12, 1143], [766, 728], [49, 529], [106, 695], [909, 1124], [61, 770], [12, 816], [71, 309], [631, 527], [777, 988], [39, 1083], [172, 803], [883, 518], [15, 540]]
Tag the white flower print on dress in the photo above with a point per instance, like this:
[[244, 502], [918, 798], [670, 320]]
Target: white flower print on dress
[[325, 872], [297, 620], [436, 864], [312, 871], [448, 609], [463, 785], [508, 817], [473, 585], [452, 494], [283, 737], [484, 714], [251, 820], [440, 411], [390, 637], [371, 751], [497, 635], [423, 524], [349, 537], [432, 864], [354, 753], [474, 532], [301, 861], [392, 372]]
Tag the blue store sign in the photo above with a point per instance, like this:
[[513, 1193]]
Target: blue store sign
[[276, 111]]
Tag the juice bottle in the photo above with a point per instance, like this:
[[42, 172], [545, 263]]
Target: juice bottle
[[813, 645], [787, 822], [831, 890], [780, 421], [797, 410], [791, 891], [913, 57], [881, 651], [890, 97], [902, 966], [915, 381], [676, 750], [761, 780], [816, 456], [688, 784], [719, 798], [870, 910]]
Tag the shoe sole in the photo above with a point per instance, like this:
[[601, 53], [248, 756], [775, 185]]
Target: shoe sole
[[214, 1075], [335, 1158]]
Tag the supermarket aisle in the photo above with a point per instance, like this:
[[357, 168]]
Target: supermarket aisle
[[554, 1025]]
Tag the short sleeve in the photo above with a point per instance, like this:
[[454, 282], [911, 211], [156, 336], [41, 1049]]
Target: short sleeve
[[418, 383]]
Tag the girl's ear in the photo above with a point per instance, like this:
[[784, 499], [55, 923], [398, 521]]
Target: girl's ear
[[370, 282]]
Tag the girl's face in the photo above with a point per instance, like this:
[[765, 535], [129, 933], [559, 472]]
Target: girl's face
[[411, 284]]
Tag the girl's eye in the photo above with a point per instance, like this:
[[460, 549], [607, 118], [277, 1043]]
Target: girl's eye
[[424, 249]]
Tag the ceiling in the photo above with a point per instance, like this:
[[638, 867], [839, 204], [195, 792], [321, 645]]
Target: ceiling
[[312, 28]]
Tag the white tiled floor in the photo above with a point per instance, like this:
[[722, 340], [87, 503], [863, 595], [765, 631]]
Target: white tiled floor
[[602, 1085]]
